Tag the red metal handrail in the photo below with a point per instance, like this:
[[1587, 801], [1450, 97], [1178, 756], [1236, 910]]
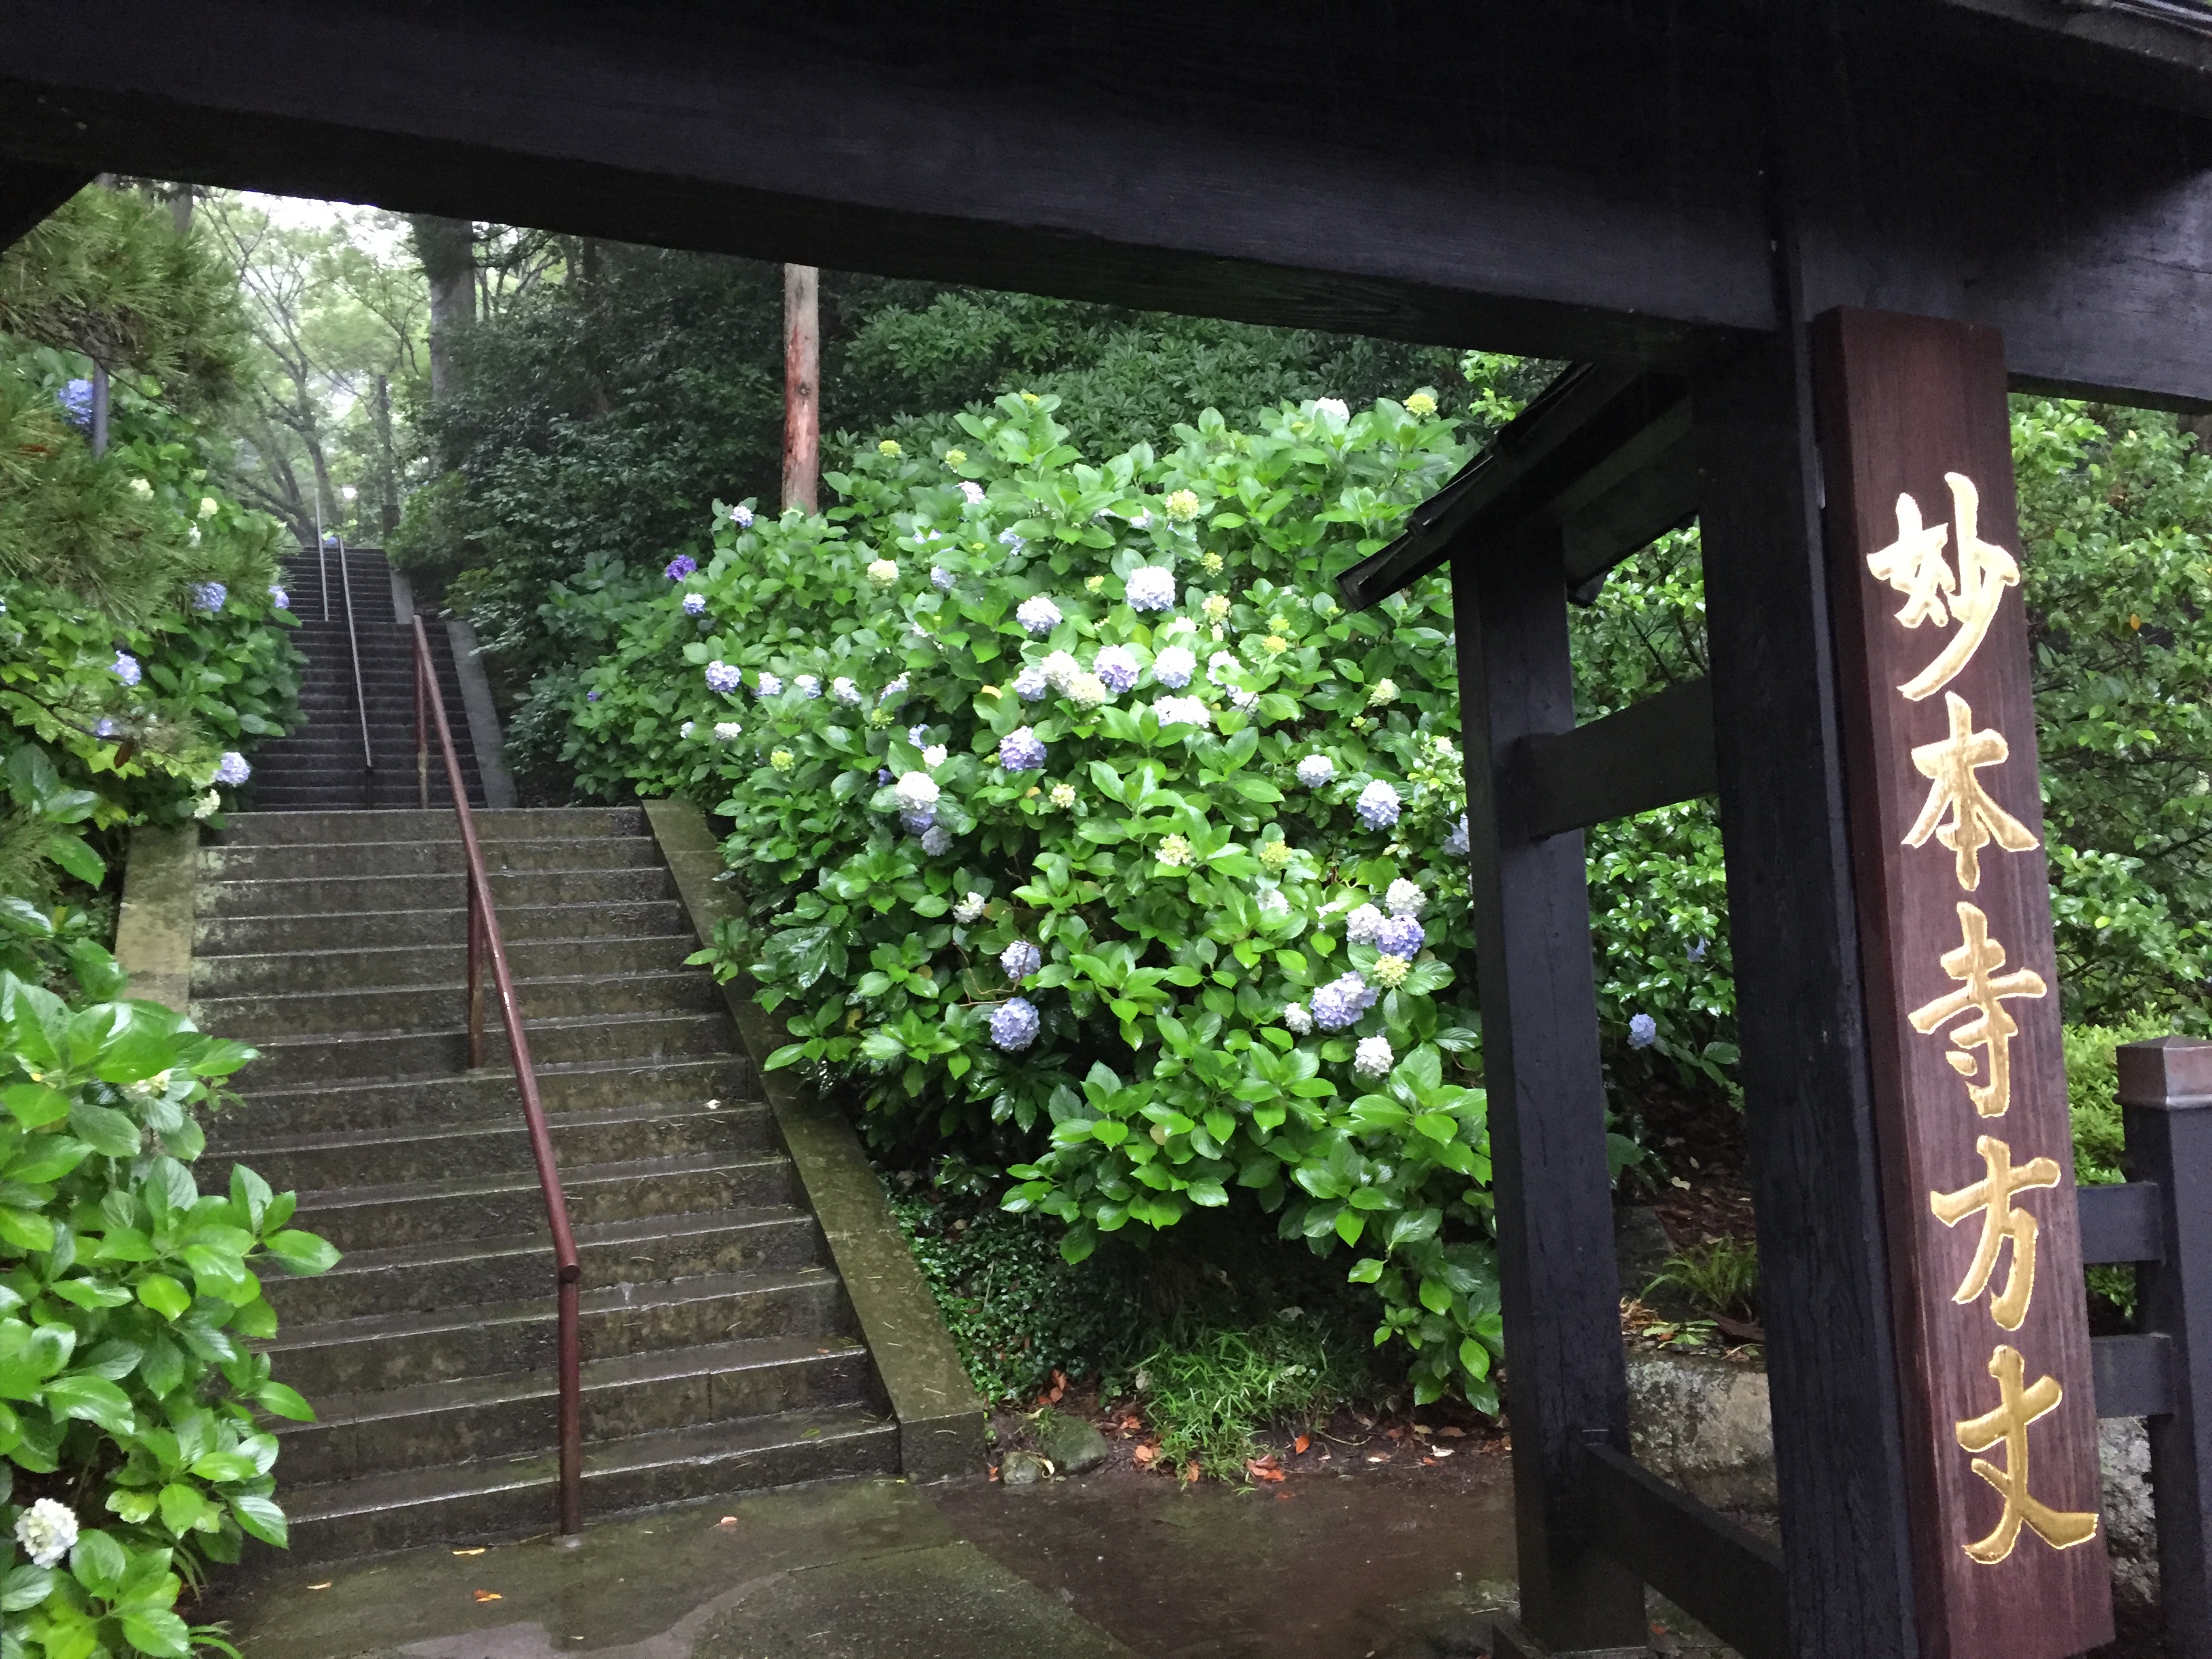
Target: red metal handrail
[[485, 940]]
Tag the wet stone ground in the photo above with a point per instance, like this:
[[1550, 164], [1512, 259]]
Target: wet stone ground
[[1396, 1562]]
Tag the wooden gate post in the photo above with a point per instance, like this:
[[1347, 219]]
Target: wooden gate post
[[1807, 1100], [2166, 1095], [1565, 1381]]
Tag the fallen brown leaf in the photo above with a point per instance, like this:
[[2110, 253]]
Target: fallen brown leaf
[[994, 1471], [1395, 1432], [1453, 1433], [728, 1521], [1428, 1462], [490, 1595], [1260, 1472], [1144, 1455], [1300, 1444], [1190, 1472]]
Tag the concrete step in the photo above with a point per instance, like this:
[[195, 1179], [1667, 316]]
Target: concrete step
[[433, 926], [428, 1007], [507, 823], [340, 969], [516, 1267], [323, 1058], [407, 1350], [511, 1201], [259, 1112], [299, 859], [430, 1149], [365, 1436], [323, 895], [507, 1496]]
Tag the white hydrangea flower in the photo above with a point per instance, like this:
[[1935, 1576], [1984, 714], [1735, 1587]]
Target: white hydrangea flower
[[845, 691], [934, 755], [1362, 926], [727, 730], [972, 491], [1087, 691], [1063, 795], [1220, 665], [1385, 691], [1175, 852], [687, 728], [47, 1531], [916, 791], [884, 572], [967, 909], [1314, 770], [1333, 407], [1181, 711], [1150, 588], [806, 685], [1174, 666], [1373, 1058], [1404, 898], [1242, 700], [1295, 1017], [1061, 669], [1037, 614], [1391, 971]]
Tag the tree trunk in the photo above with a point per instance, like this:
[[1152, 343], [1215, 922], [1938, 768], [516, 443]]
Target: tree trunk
[[802, 363], [446, 248], [388, 470]]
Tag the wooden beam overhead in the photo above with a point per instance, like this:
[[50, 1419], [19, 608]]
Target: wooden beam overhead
[[1581, 180], [1652, 753], [29, 192]]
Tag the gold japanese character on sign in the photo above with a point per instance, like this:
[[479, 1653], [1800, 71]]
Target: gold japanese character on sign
[[2007, 1425], [1976, 820], [1914, 565], [1975, 965], [1992, 1197]]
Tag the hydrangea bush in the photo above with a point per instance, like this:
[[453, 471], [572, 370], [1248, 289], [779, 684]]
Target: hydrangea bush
[[1085, 839]]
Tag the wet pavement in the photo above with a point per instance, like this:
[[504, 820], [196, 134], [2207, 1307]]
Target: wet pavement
[[1400, 1565]]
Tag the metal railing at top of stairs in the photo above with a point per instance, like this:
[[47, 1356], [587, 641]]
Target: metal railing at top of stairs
[[484, 941], [359, 695]]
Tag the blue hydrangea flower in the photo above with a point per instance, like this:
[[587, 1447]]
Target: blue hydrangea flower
[[936, 841], [280, 599], [1174, 666], [1341, 1001], [941, 579], [125, 668], [1030, 683], [1643, 1031], [1117, 667], [1009, 541], [680, 566], [209, 597], [769, 685], [742, 517], [806, 685], [105, 727], [1377, 805], [845, 691], [694, 605], [895, 688], [1014, 1025], [1457, 843], [591, 696], [1020, 960], [1022, 750], [724, 677], [1698, 951], [918, 820], [1399, 936], [76, 399], [1037, 614], [231, 769], [1150, 588]]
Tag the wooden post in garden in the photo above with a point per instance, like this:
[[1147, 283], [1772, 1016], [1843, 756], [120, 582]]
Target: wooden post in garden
[[802, 372], [1962, 1016]]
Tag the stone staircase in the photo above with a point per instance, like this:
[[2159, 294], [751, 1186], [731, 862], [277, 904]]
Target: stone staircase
[[319, 766], [720, 1347]]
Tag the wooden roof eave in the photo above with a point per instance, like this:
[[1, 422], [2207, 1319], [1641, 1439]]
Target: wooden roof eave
[[1597, 467]]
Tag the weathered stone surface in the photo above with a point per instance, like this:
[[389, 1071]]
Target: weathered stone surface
[[1072, 1444], [2131, 1525], [1706, 1424], [154, 932]]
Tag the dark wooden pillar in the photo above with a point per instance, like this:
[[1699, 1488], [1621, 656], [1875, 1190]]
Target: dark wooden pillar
[[2166, 1091], [1565, 1382], [1831, 1358]]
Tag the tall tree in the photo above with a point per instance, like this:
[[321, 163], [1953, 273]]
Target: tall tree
[[446, 249]]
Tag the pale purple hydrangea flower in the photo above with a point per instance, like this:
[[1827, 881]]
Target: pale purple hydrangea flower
[[742, 516], [1377, 805], [724, 677], [76, 399], [1117, 666], [807, 686], [1150, 588], [769, 685], [231, 769], [1030, 684], [941, 579], [125, 668], [280, 599], [1399, 936], [1014, 1025], [1363, 924], [1021, 751], [1373, 1058], [1174, 666], [936, 841], [918, 822], [1457, 843], [694, 605], [972, 491], [1038, 613], [1020, 960], [591, 696], [209, 597], [917, 735], [1316, 770], [895, 688], [680, 566], [1011, 541], [105, 727], [1643, 1031], [1341, 1001], [845, 691]]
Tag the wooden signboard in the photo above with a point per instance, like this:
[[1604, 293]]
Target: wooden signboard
[[1962, 992]]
